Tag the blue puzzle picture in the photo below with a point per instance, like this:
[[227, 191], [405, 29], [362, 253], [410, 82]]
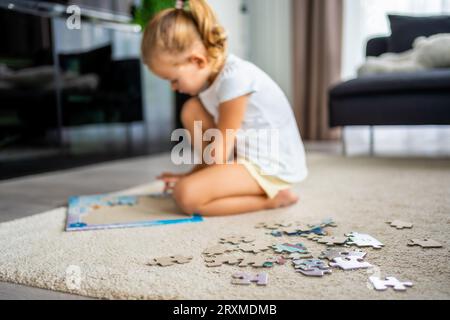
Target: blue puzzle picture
[[94, 212]]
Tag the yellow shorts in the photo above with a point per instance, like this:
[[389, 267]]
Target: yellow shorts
[[270, 184]]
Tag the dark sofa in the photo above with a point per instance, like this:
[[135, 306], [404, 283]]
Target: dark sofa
[[419, 98]]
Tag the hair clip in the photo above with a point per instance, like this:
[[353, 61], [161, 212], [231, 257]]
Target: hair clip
[[179, 4]]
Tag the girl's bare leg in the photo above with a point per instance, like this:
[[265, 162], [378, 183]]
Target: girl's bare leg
[[223, 190], [242, 204]]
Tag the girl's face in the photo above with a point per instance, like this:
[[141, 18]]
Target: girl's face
[[187, 74]]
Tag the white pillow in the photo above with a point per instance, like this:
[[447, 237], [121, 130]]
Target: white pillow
[[434, 51]]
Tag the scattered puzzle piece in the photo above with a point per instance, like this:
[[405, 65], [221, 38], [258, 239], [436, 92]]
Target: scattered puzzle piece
[[220, 260], [217, 249], [397, 285], [287, 247], [350, 263], [298, 255], [400, 224], [313, 272], [236, 239], [296, 229], [311, 267], [168, 261], [310, 236], [318, 231], [330, 254], [308, 264], [302, 229], [257, 261], [424, 243], [328, 223], [325, 223], [331, 240], [290, 231], [254, 247], [272, 225], [363, 240], [276, 233], [281, 260], [244, 278]]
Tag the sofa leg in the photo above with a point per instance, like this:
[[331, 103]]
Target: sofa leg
[[344, 142], [371, 140]]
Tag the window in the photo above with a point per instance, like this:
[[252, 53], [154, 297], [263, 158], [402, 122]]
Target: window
[[364, 19]]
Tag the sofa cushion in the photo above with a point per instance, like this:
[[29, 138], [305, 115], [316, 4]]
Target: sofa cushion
[[376, 46], [395, 82], [406, 29]]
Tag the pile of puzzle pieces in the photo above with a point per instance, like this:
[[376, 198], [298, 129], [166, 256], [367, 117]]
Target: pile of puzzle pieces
[[246, 251]]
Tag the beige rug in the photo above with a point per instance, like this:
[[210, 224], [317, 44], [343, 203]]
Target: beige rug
[[359, 193]]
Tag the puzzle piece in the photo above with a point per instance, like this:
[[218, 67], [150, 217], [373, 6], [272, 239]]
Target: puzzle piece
[[308, 264], [287, 247], [363, 240], [424, 243], [281, 260], [168, 261], [236, 239], [400, 224], [257, 261], [313, 272], [220, 260], [330, 254], [255, 247], [329, 222], [217, 249], [397, 285], [244, 278], [310, 236], [290, 231], [182, 259], [296, 229], [302, 229], [311, 267], [272, 225], [331, 240], [276, 233], [298, 255], [318, 231], [325, 223], [350, 263]]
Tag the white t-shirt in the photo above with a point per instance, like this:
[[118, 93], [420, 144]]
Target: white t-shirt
[[268, 109]]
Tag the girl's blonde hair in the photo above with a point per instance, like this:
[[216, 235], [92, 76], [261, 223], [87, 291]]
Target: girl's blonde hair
[[175, 30]]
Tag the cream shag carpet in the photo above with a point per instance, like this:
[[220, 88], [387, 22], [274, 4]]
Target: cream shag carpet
[[359, 193]]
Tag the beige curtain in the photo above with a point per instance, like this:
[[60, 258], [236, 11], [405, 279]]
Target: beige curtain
[[317, 32]]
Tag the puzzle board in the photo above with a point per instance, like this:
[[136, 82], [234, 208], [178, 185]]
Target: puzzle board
[[113, 211]]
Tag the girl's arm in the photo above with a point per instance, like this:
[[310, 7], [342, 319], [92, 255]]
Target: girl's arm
[[231, 115]]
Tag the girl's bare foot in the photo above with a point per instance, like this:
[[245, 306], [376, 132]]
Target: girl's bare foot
[[284, 198]]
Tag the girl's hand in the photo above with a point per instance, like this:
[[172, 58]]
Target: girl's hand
[[170, 179]]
